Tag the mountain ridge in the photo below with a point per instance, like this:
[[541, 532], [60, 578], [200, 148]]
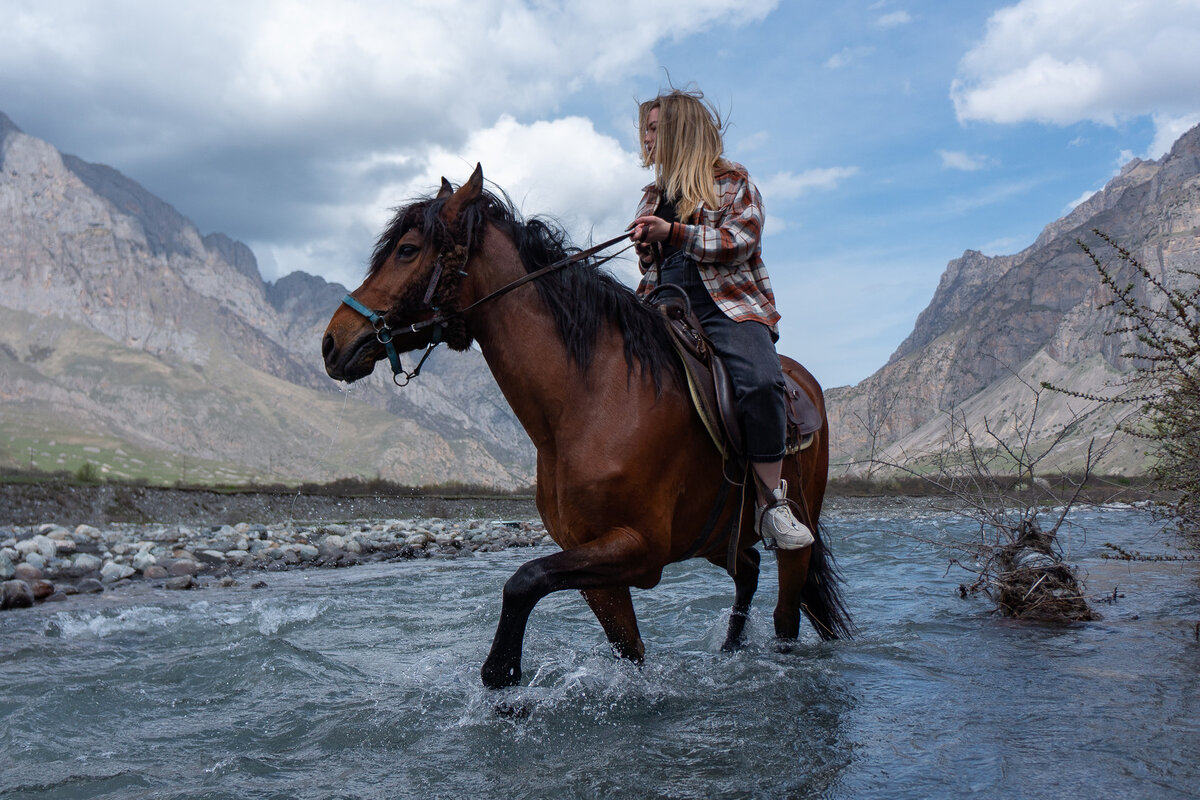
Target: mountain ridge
[[993, 318], [188, 319]]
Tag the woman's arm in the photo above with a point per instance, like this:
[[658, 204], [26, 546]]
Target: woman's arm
[[730, 242]]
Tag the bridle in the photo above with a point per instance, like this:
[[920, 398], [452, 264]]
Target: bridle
[[384, 332]]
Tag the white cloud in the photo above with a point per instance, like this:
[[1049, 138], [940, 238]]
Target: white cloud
[[893, 19], [292, 115], [262, 65], [536, 164], [789, 185], [755, 141], [957, 159], [1168, 128], [539, 166], [1064, 61], [1071, 206], [1005, 245], [847, 56]]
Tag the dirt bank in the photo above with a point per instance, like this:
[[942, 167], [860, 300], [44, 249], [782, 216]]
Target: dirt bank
[[68, 505]]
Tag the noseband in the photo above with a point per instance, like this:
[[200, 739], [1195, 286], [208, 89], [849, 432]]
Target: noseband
[[384, 332]]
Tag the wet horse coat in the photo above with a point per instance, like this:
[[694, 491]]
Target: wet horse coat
[[626, 473]]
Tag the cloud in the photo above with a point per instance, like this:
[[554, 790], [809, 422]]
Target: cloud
[[755, 141], [991, 194], [1003, 246], [893, 19], [789, 185], [287, 116], [1065, 61], [847, 56], [1071, 206], [1168, 128], [537, 165], [957, 159]]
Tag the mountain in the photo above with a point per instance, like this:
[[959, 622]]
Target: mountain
[[998, 326], [129, 340]]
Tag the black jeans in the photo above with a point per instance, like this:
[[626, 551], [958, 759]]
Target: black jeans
[[750, 357]]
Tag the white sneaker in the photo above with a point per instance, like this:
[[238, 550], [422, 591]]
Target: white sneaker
[[778, 526]]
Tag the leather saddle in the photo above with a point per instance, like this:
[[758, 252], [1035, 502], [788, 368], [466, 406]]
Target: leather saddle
[[709, 385]]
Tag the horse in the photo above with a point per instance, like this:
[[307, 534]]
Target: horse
[[627, 475]]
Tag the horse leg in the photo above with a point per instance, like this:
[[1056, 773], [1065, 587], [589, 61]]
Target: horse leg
[[614, 609], [745, 583], [599, 564], [793, 572]]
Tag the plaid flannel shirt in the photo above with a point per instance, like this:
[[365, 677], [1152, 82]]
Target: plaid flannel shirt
[[725, 244]]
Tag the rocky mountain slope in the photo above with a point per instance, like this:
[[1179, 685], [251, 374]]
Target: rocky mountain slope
[[998, 326], [130, 341]]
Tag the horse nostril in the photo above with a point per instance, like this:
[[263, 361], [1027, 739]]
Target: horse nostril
[[327, 346]]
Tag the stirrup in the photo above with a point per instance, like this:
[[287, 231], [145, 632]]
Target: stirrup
[[777, 525]]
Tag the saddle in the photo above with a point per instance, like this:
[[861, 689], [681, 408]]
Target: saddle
[[710, 387]]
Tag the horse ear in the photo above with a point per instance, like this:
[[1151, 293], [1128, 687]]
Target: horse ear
[[446, 189], [467, 193]]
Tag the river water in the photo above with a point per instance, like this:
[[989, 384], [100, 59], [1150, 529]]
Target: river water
[[363, 683]]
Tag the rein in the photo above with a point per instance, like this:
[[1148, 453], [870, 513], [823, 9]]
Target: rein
[[384, 332]]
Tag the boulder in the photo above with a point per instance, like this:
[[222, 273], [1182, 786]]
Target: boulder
[[46, 546], [27, 572], [83, 563], [87, 532], [89, 586], [112, 572], [143, 561], [184, 566], [212, 557], [15, 594]]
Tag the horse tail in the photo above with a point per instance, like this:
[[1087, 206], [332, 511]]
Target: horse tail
[[821, 597]]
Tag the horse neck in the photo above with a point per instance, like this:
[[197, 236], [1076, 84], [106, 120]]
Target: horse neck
[[518, 337]]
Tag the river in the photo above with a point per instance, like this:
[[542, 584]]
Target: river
[[363, 683]]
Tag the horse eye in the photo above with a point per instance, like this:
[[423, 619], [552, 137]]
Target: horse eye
[[407, 251]]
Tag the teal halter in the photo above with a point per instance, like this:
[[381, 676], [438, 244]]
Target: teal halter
[[383, 333]]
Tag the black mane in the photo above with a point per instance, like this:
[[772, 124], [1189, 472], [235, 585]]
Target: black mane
[[582, 297]]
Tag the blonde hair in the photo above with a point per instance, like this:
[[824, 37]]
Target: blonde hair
[[687, 149]]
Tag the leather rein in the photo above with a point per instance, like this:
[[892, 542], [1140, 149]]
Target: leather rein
[[384, 332]]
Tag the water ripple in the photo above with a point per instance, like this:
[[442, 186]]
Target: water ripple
[[364, 683]]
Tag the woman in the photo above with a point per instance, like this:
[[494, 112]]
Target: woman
[[699, 226]]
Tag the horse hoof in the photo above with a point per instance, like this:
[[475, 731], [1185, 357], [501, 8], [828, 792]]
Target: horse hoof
[[785, 645], [498, 678], [733, 646]]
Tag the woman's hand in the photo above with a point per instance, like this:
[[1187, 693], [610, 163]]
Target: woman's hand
[[645, 252], [649, 229]]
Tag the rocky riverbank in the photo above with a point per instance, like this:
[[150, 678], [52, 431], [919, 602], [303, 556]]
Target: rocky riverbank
[[50, 562]]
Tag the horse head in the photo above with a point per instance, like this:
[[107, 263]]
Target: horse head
[[410, 294]]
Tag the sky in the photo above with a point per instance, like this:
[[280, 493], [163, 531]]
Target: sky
[[887, 136]]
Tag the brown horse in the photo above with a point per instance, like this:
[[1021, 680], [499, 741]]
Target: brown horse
[[627, 477]]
